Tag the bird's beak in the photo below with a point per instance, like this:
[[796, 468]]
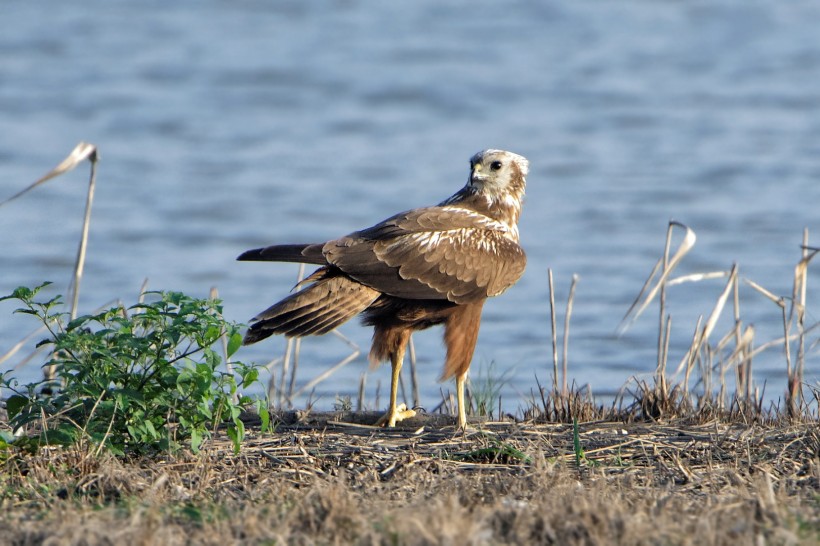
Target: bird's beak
[[477, 176]]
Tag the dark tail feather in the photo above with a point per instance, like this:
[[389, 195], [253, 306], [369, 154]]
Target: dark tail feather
[[300, 253], [315, 310]]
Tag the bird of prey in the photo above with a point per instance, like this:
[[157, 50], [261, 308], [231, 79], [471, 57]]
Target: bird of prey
[[416, 269]]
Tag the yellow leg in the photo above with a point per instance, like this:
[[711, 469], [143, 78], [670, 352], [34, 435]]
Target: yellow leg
[[395, 412], [462, 413], [395, 364]]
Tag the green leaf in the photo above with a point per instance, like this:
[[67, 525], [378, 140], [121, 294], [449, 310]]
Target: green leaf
[[149, 427], [196, 440], [234, 343], [65, 434], [6, 438], [576, 442], [15, 403], [236, 433], [23, 293], [250, 376], [264, 414]]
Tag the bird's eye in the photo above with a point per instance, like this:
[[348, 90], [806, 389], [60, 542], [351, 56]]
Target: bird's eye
[[495, 165]]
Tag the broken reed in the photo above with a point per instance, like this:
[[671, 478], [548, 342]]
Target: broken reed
[[738, 342], [80, 153]]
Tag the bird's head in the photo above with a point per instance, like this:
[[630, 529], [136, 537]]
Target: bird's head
[[495, 187], [498, 178], [498, 175]]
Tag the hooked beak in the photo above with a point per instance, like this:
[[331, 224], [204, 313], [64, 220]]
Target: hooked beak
[[476, 176]]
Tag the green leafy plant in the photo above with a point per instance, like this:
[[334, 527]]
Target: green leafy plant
[[580, 454], [576, 443], [137, 379]]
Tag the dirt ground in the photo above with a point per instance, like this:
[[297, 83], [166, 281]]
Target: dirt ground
[[328, 479]]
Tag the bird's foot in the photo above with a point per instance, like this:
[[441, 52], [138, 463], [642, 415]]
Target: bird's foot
[[394, 415], [467, 430]]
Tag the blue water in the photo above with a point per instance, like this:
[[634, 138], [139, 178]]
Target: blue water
[[228, 125]]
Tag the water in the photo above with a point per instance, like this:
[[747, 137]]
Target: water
[[228, 125]]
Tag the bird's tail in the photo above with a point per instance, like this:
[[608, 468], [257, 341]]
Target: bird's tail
[[330, 300], [299, 253]]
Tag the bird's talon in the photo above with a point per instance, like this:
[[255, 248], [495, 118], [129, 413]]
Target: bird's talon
[[399, 413]]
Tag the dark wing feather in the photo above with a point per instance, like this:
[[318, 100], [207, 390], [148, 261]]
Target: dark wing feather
[[433, 253], [299, 253], [329, 301]]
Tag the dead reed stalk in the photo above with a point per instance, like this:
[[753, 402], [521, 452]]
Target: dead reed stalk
[[567, 317], [553, 329], [80, 153]]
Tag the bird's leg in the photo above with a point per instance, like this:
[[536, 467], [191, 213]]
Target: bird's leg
[[460, 335], [462, 412], [395, 412]]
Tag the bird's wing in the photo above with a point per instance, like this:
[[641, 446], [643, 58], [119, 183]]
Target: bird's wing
[[432, 253]]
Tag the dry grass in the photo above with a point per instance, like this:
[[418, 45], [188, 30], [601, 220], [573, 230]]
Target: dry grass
[[322, 479]]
